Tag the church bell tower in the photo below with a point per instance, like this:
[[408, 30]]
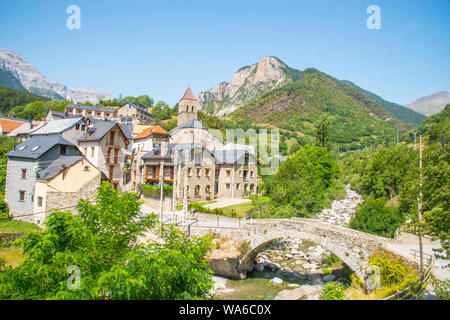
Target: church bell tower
[[187, 107]]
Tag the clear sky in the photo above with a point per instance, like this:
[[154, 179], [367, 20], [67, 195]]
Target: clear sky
[[159, 47]]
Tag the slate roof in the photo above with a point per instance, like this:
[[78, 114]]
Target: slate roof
[[194, 123], [102, 127], [57, 126], [91, 108], [45, 143], [229, 156], [57, 166], [62, 114]]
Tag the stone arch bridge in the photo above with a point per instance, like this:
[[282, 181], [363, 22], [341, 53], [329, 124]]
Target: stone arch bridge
[[351, 246]]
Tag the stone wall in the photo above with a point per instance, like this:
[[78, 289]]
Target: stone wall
[[7, 238], [154, 203]]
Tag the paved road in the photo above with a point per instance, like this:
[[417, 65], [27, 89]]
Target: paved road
[[201, 220]]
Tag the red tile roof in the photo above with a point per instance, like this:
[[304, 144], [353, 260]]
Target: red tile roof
[[188, 95], [9, 125], [149, 131]]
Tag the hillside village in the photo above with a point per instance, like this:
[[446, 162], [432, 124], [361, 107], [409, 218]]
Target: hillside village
[[66, 156]]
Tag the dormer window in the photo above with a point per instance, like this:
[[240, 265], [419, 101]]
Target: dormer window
[[62, 149]]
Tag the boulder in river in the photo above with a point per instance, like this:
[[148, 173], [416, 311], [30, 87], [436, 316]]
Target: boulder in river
[[302, 293], [276, 281]]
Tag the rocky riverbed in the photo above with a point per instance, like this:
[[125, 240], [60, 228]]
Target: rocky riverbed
[[343, 210], [286, 269]]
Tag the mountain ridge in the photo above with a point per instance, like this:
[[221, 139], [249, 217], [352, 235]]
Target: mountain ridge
[[35, 82], [431, 104]]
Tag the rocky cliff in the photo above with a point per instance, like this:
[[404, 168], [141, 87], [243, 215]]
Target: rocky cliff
[[247, 84], [35, 82]]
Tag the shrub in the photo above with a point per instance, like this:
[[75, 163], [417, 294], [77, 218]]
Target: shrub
[[155, 191], [377, 218], [333, 291]]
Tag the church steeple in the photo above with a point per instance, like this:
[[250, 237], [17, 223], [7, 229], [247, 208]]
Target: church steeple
[[187, 107]]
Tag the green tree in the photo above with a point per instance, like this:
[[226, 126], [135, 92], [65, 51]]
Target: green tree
[[375, 217], [323, 132], [102, 240]]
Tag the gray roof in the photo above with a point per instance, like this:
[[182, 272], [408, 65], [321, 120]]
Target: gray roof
[[194, 123], [100, 128], [91, 108], [229, 156], [126, 131], [57, 126], [62, 114], [27, 149], [177, 149], [136, 107], [57, 166]]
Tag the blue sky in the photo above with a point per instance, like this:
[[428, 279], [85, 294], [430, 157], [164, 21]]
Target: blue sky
[[159, 47]]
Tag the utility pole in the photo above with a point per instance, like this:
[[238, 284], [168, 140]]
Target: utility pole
[[174, 189], [161, 186], [419, 206], [415, 145], [185, 195]]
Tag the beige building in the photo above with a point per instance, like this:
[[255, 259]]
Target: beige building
[[91, 111], [105, 147], [61, 186], [131, 114]]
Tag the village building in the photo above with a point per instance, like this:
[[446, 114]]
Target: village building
[[24, 131], [105, 144], [46, 159], [196, 163], [70, 129], [131, 114], [8, 125], [91, 111]]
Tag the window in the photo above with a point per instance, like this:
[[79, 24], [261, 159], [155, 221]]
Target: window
[[24, 173], [39, 201], [187, 108], [198, 172], [62, 149], [189, 172], [86, 168], [237, 186], [21, 195], [227, 185], [207, 172], [197, 191], [92, 151], [228, 173], [208, 189], [251, 174]]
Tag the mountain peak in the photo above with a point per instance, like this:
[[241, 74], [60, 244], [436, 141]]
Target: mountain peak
[[431, 104], [247, 84], [34, 81]]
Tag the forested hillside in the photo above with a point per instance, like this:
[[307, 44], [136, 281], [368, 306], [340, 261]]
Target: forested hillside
[[10, 98], [356, 121]]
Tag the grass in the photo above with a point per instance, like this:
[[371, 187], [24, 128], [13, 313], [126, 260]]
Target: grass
[[239, 209], [13, 256], [17, 226]]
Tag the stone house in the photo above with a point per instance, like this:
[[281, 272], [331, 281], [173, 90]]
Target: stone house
[[91, 111], [105, 145], [131, 114], [70, 129], [27, 162]]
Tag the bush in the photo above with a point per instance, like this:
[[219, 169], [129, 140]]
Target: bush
[[333, 291], [155, 191], [377, 218]]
